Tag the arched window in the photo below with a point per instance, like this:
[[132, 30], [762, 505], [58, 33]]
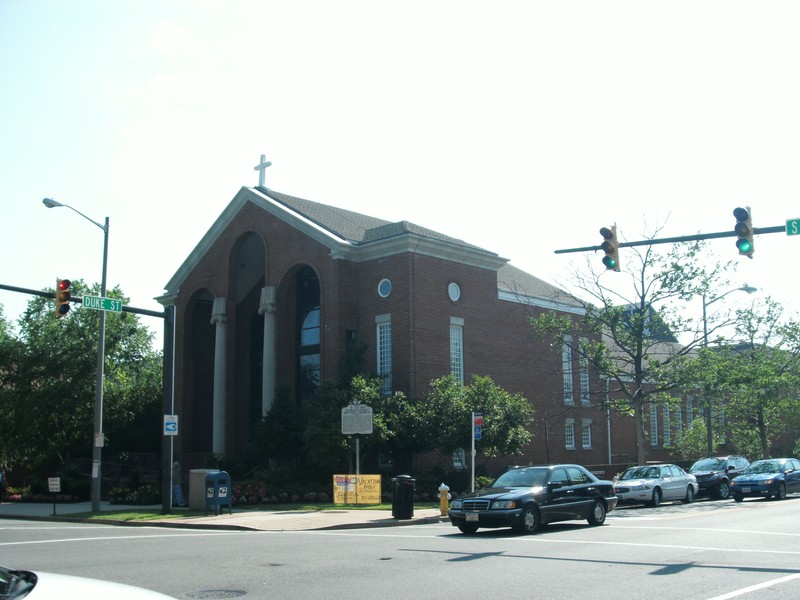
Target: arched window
[[308, 333]]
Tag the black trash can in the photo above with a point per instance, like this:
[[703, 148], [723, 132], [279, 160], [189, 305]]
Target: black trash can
[[403, 496]]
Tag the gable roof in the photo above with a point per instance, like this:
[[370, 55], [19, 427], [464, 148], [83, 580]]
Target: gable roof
[[358, 237]]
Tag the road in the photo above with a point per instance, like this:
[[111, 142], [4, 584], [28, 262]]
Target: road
[[709, 550]]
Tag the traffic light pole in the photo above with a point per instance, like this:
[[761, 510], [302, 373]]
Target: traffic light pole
[[683, 238]]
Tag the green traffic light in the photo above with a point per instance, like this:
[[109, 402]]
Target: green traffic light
[[609, 262], [744, 246]]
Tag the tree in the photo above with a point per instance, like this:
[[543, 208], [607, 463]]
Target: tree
[[761, 376], [49, 389], [629, 333], [446, 417], [401, 427]]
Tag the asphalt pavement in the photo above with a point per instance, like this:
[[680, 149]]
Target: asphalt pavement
[[242, 518]]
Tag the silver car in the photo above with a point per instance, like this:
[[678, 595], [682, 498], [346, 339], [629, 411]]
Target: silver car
[[652, 484]]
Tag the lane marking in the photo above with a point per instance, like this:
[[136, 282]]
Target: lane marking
[[755, 588]]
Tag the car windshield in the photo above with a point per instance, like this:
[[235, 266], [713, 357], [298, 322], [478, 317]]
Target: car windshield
[[522, 478], [764, 466], [707, 464], [641, 473]]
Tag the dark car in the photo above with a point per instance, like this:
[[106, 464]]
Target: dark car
[[714, 474], [525, 498], [768, 478]]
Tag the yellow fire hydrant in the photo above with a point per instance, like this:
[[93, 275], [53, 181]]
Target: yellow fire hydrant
[[444, 496]]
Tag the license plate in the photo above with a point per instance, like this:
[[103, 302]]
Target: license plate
[[472, 517], [746, 490]]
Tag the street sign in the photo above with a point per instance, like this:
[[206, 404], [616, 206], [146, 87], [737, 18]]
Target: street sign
[[170, 424], [793, 227], [100, 303]]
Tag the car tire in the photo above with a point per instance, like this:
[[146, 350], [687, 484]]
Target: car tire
[[723, 491], [468, 528], [598, 514], [738, 497], [530, 520], [689, 498], [656, 498], [781, 495]]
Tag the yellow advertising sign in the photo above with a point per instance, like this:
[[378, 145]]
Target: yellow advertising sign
[[356, 489]]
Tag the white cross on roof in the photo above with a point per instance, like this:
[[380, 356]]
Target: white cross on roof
[[261, 167]]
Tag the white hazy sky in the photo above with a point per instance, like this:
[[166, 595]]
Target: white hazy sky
[[518, 126]]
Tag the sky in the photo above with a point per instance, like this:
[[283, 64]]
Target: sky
[[521, 127]]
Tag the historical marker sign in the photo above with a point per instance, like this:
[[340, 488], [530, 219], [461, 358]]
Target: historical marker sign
[[357, 419]]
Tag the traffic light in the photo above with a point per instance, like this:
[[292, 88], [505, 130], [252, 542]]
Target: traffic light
[[744, 231], [610, 246], [62, 297]]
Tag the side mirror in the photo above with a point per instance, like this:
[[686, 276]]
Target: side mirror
[[555, 485]]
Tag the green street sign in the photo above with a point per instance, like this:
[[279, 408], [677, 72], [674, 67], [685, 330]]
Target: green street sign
[[793, 227], [100, 303]]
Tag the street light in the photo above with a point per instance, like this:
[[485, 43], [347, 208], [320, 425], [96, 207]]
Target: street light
[[745, 288], [97, 442]]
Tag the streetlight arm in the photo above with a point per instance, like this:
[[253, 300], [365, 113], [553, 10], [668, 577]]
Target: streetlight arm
[[50, 203]]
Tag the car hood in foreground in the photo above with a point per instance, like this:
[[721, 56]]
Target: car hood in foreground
[[52, 585]]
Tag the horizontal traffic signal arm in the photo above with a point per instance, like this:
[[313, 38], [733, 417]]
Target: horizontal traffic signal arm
[[683, 238], [79, 299]]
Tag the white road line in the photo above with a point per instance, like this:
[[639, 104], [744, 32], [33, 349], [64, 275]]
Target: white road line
[[755, 588]]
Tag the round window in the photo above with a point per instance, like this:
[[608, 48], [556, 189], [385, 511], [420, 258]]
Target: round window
[[384, 288], [454, 292]]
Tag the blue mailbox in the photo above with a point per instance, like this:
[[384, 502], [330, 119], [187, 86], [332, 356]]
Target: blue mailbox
[[218, 491]]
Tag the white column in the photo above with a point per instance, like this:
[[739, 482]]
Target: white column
[[218, 317], [267, 307]]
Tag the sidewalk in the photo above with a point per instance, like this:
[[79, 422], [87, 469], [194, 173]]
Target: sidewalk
[[243, 519]]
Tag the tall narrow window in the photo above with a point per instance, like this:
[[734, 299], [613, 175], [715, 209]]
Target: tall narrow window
[[678, 419], [384, 346], [566, 365], [584, 376], [569, 434], [666, 425], [653, 425], [457, 349], [308, 333], [586, 434]]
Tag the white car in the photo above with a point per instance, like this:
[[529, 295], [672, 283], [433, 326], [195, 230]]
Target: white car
[[49, 586], [652, 484]]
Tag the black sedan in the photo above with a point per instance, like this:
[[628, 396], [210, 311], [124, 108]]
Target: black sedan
[[525, 498], [768, 478]]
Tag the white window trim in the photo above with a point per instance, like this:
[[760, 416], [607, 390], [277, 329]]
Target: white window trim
[[457, 348], [586, 434], [383, 338], [569, 434], [566, 366]]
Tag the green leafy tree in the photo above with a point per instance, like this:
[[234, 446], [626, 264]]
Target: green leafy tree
[[761, 376], [49, 389], [445, 417], [401, 427]]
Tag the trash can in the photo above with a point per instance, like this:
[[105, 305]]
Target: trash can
[[403, 496], [218, 491]]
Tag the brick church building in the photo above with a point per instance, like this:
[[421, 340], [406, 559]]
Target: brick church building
[[278, 285]]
